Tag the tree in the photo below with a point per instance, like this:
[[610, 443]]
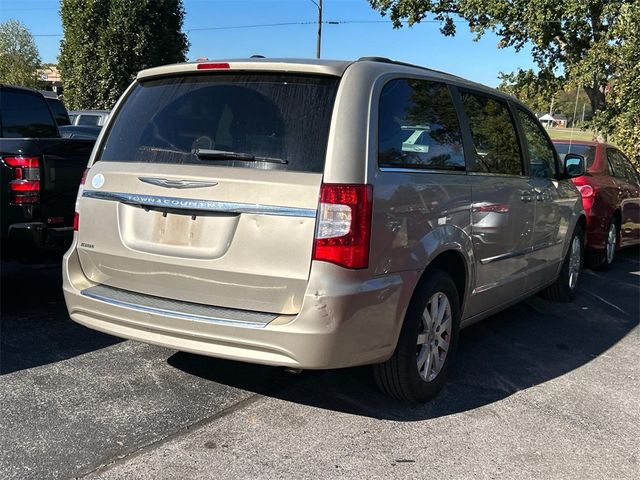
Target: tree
[[572, 40], [622, 119], [540, 96], [106, 43], [19, 58]]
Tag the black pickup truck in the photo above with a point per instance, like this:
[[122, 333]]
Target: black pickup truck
[[39, 177]]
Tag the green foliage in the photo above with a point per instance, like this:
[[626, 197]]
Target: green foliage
[[622, 119], [575, 43], [538, 94], [19, 58], [106, 42]]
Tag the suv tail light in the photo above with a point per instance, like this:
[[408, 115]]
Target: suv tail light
[[343, 232], [76, 215], [25, 186]]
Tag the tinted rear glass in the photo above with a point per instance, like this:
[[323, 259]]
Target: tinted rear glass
[[59, 111], [25, 115], [587, 151], [281, 116]]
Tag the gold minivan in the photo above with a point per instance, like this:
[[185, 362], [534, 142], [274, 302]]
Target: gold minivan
[[319, 214]]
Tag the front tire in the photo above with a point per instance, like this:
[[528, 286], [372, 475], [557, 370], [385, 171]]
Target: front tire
[[418, 369], [566, 285]]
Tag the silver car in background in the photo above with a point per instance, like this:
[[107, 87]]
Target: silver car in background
[[90, 118], [320, 214]]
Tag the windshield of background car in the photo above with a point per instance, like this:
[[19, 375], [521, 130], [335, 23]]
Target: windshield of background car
[[587, 151], [280, 116]]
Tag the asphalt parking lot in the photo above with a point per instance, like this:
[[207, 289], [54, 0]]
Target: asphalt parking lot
[[541, 390]]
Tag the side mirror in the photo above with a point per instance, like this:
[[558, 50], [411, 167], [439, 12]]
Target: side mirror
[[574, 165]]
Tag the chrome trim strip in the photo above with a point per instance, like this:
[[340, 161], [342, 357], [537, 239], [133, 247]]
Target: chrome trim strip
[[504, 256], [422, 170], [177, 203], [168, 183], [519, 253], [172, 313]]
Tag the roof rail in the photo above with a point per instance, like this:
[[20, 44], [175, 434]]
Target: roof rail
[[394, 62]]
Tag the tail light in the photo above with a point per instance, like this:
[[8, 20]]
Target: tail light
[[586, 191], [343, 231], [76, 215], [25, 186]]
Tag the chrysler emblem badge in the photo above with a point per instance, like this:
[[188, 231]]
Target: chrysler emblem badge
[[97, 181]]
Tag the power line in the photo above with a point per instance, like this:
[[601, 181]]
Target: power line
[[233, 27]]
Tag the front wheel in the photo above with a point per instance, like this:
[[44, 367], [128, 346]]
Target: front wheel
[[419, 366], [566, 285]]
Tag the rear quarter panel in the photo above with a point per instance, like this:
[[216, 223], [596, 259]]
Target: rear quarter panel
[[416, 215]]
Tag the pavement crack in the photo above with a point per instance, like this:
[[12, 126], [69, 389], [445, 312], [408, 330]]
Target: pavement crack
[[187, 429]]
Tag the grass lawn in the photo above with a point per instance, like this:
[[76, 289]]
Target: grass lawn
[[566, 134]]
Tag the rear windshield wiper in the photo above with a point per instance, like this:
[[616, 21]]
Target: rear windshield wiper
[[205, 154]]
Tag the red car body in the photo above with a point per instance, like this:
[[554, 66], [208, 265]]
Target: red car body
[[610, 196]]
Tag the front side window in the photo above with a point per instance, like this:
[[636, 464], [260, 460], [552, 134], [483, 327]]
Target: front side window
[[263, 121], [494, 135], [542, 159], [418, 127]]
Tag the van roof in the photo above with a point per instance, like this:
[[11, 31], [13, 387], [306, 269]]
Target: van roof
[[319, 67], [323, 67]]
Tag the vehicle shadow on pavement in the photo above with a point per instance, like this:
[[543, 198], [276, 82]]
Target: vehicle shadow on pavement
[[35, 328], [526, 345]]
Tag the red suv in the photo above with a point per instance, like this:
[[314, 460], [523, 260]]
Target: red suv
[[611, 199]]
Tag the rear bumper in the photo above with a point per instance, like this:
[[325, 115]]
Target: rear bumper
[[597, 229], [34, 240], [345, 320]]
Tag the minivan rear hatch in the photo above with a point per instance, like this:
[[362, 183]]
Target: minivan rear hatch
[[206, 186]]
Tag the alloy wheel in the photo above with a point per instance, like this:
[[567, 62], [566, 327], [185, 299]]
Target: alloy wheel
[[611, 242], [434, 336], [575, 258]]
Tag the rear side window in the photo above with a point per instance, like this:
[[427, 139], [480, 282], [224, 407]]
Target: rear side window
[[621, 166], [271, 121], [25, 115], [542, 158], [418, 127], [59, 112], [494, 136]]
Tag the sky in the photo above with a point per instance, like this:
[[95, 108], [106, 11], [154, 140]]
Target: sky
[[422, 44]]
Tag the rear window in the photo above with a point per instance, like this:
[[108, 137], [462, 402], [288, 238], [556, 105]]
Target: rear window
[[59, 111], [25, 115], [283, 119], [91, 120], [587, 151]]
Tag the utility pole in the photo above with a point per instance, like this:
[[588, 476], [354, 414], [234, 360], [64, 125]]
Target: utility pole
[[319, 44]]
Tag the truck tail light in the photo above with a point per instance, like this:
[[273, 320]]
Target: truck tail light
[[25, 186], [76, 215], [343, 230]]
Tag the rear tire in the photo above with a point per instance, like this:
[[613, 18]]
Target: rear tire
[[602, 260], [418, 369], [566, 285]]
